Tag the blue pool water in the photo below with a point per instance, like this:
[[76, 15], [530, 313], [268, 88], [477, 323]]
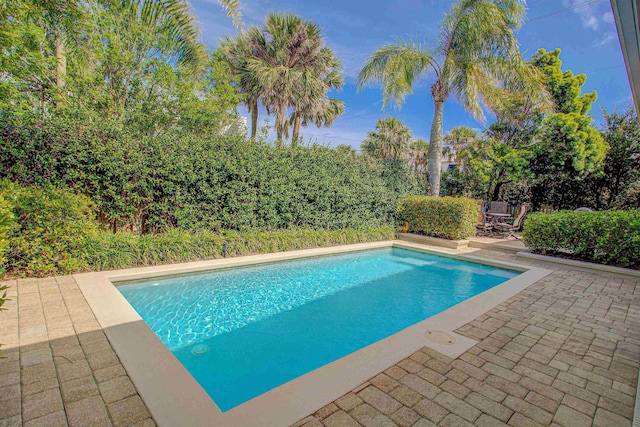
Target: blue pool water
[[245, 331]]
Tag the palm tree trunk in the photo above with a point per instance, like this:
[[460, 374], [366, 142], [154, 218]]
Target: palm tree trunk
[[280, 127], [61, 67], [435, 148], [296, 129], [42, 100], [253, 108]]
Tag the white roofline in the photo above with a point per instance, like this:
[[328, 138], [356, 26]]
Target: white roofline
[[627, 17]]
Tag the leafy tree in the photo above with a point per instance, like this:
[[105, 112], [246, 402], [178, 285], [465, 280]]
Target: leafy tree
[[486, 167], [208, 102], [31, 35], [41, 39], [619, 184], [550, 159], [477, 57], [130, 63], [565, 88], [390, 141], [566, 146]]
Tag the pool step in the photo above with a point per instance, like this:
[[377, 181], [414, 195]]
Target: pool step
[[434, 241], [511, 246]]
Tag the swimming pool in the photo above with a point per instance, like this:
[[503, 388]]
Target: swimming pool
[[245, 331]]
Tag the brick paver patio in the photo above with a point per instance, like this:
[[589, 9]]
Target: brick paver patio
[[564, 352], [58, 367]]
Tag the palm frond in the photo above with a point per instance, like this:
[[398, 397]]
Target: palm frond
[[233, 10], [179, 22], [396, 67], [481, 52], [390, 141]]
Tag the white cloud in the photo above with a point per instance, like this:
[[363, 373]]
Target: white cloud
[[606, 38], [588, 14]]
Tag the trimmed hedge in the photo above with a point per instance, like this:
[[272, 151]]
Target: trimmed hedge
[[451, 218], [610, 237], [54, 231], [121, 250], [153, 183]]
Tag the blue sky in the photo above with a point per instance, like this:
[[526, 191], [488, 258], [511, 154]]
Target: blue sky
[[585, 33]]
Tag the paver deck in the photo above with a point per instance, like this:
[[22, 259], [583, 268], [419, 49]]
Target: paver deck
[[564, 352], [58, 367]]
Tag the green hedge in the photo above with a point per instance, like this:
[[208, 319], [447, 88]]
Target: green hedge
[[6, 225], [445, 217], [192, 181], [121, 250], [50, 227], [610, 237], [55, 232]]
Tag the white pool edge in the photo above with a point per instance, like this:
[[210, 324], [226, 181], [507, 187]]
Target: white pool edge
[[174, 397]]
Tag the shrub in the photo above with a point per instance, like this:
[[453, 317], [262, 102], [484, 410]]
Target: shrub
[[108, 251], [6, 225], [609, 237], [194, 181], [51, 225], [445, 217], [54, 232]]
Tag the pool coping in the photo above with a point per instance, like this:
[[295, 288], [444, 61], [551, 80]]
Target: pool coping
[[174, 397]]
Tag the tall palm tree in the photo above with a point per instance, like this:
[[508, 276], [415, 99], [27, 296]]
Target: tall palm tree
[[476, 51], [311, 103], [283, 47], [287, 65], [236, 53], [461, 136], [390, 141], [418, 153], [322, 113]]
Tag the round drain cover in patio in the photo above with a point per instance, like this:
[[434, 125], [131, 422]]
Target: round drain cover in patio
[[440, 337]]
